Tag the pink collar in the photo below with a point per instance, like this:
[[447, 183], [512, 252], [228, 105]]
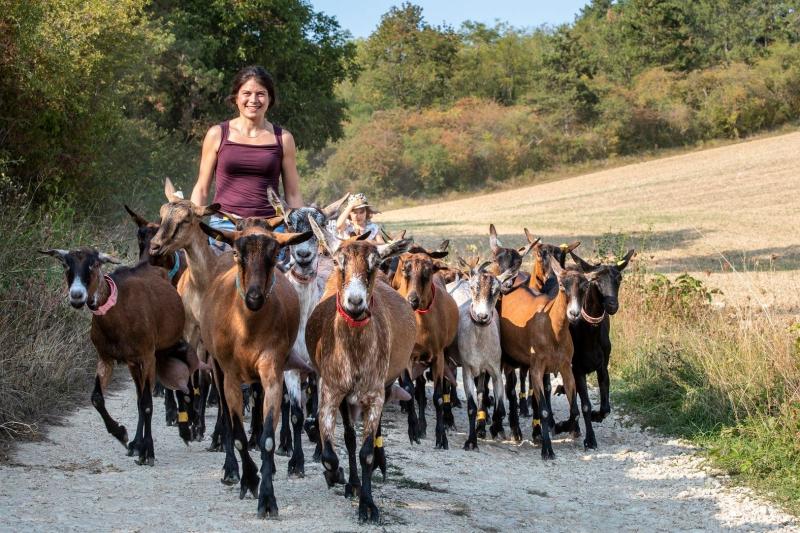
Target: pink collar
[[592, 319], [111, 301]]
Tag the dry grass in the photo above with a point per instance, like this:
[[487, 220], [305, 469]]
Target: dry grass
[[706, 212]]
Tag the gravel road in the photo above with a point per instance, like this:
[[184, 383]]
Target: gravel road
[[79, 478]]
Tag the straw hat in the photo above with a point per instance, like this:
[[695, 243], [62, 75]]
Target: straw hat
[[360, 200]]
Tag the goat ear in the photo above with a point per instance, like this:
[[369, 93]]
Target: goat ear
[[555, 266], [394, 248], [525, 249], [530, 237], [462, 263], [277, 204], [322, 237], [290, 239], [440, 265], [584, 265], [170, 192], [216, 234], [624, 262], [364, 236], [445, 244], [493, 239], [57, 253], [571, 246], [438, 254], [140, 221], [204, 211], [483, 266], [105, 258], [275, 222], [331, 210]]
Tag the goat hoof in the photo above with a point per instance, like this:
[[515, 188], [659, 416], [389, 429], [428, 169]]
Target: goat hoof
[[368, 511], [296, 471], [144, 460], [312, 429], [249, 485], [516, 434], [230, 478], [252, 443], [215, 447], [333, 478], [471, 446], [121, 434], [267, 507], [481, 433], [560, 390], [284, 451], [598, 416], [547, 454], [564, 427], [351, 489], [590, 443]]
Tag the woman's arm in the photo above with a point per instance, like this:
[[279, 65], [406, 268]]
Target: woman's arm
[[208, 161], [291, 179], [341, 222]]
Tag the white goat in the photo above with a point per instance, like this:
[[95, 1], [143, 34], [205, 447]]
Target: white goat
[[478, 343]]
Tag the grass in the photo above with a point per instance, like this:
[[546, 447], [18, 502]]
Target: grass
[[727, 380]]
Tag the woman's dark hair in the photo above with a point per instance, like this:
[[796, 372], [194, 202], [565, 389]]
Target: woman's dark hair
[[260, 75]]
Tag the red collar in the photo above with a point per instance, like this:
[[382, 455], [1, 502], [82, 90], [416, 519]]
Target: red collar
[[110, 301], [353, 323], [433, 297]]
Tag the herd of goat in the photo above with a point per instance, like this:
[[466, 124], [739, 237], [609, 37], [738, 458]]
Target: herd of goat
[[338, 327]]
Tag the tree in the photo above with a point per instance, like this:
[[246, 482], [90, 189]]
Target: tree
[[306, 52], [410, 62]]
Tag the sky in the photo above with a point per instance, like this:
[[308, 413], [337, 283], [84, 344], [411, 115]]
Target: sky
[[361, 18]]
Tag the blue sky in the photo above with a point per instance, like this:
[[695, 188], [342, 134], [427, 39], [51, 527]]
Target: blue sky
[[361, 18]]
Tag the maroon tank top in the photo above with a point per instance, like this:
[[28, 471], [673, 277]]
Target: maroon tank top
[[243, 174]]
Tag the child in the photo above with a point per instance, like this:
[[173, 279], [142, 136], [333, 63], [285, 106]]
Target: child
[[356, 218]]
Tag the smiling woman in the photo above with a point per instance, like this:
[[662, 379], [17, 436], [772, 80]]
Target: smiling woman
[[248, 155]]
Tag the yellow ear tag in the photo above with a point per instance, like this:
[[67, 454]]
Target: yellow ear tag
[[446, 398], [196, 391], [522, 395], [620, 263], [379, 442], [183, 416], [564, 246], [534, 422], [481, 415]]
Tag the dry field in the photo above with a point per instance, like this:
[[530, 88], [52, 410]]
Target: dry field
[[727, 215]]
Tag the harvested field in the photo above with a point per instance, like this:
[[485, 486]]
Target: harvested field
[[728, 215]]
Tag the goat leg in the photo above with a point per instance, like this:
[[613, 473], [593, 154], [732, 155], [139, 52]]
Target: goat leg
[[285, 446], [146, 452], [353, 485], [513, 410], [256, 415], [367, 510], [472, 409], [523, 397], [184, 407], [118, 431], [422, 400], [380, 452], [603, 383], [170, 408], [249, 481], [267, 505], [408, 385], [438, 403], [230, 470], [589, 442], [538, 389], [499, 413], [483, 404], [448, 391]]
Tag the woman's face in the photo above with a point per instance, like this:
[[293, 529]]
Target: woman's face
[[359, 216], [252, 100]]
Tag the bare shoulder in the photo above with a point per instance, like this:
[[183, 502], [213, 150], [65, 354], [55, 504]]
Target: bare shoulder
[[287, 138], [214, 133]]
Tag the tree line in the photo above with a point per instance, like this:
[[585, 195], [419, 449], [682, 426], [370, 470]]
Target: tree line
[[437, 109]]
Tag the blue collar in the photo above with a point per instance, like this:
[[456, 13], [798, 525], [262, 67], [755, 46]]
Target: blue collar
[[177, 266]]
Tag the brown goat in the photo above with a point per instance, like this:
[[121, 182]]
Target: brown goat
[[137, 320], [534, 331], [360, 337], [436, 313], [249, 322], [174, 264], [180, 229]]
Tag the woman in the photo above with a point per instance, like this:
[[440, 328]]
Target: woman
[[248, 154], [356, 219]]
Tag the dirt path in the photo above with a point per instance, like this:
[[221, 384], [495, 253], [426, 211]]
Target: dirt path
[[80, 479]]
